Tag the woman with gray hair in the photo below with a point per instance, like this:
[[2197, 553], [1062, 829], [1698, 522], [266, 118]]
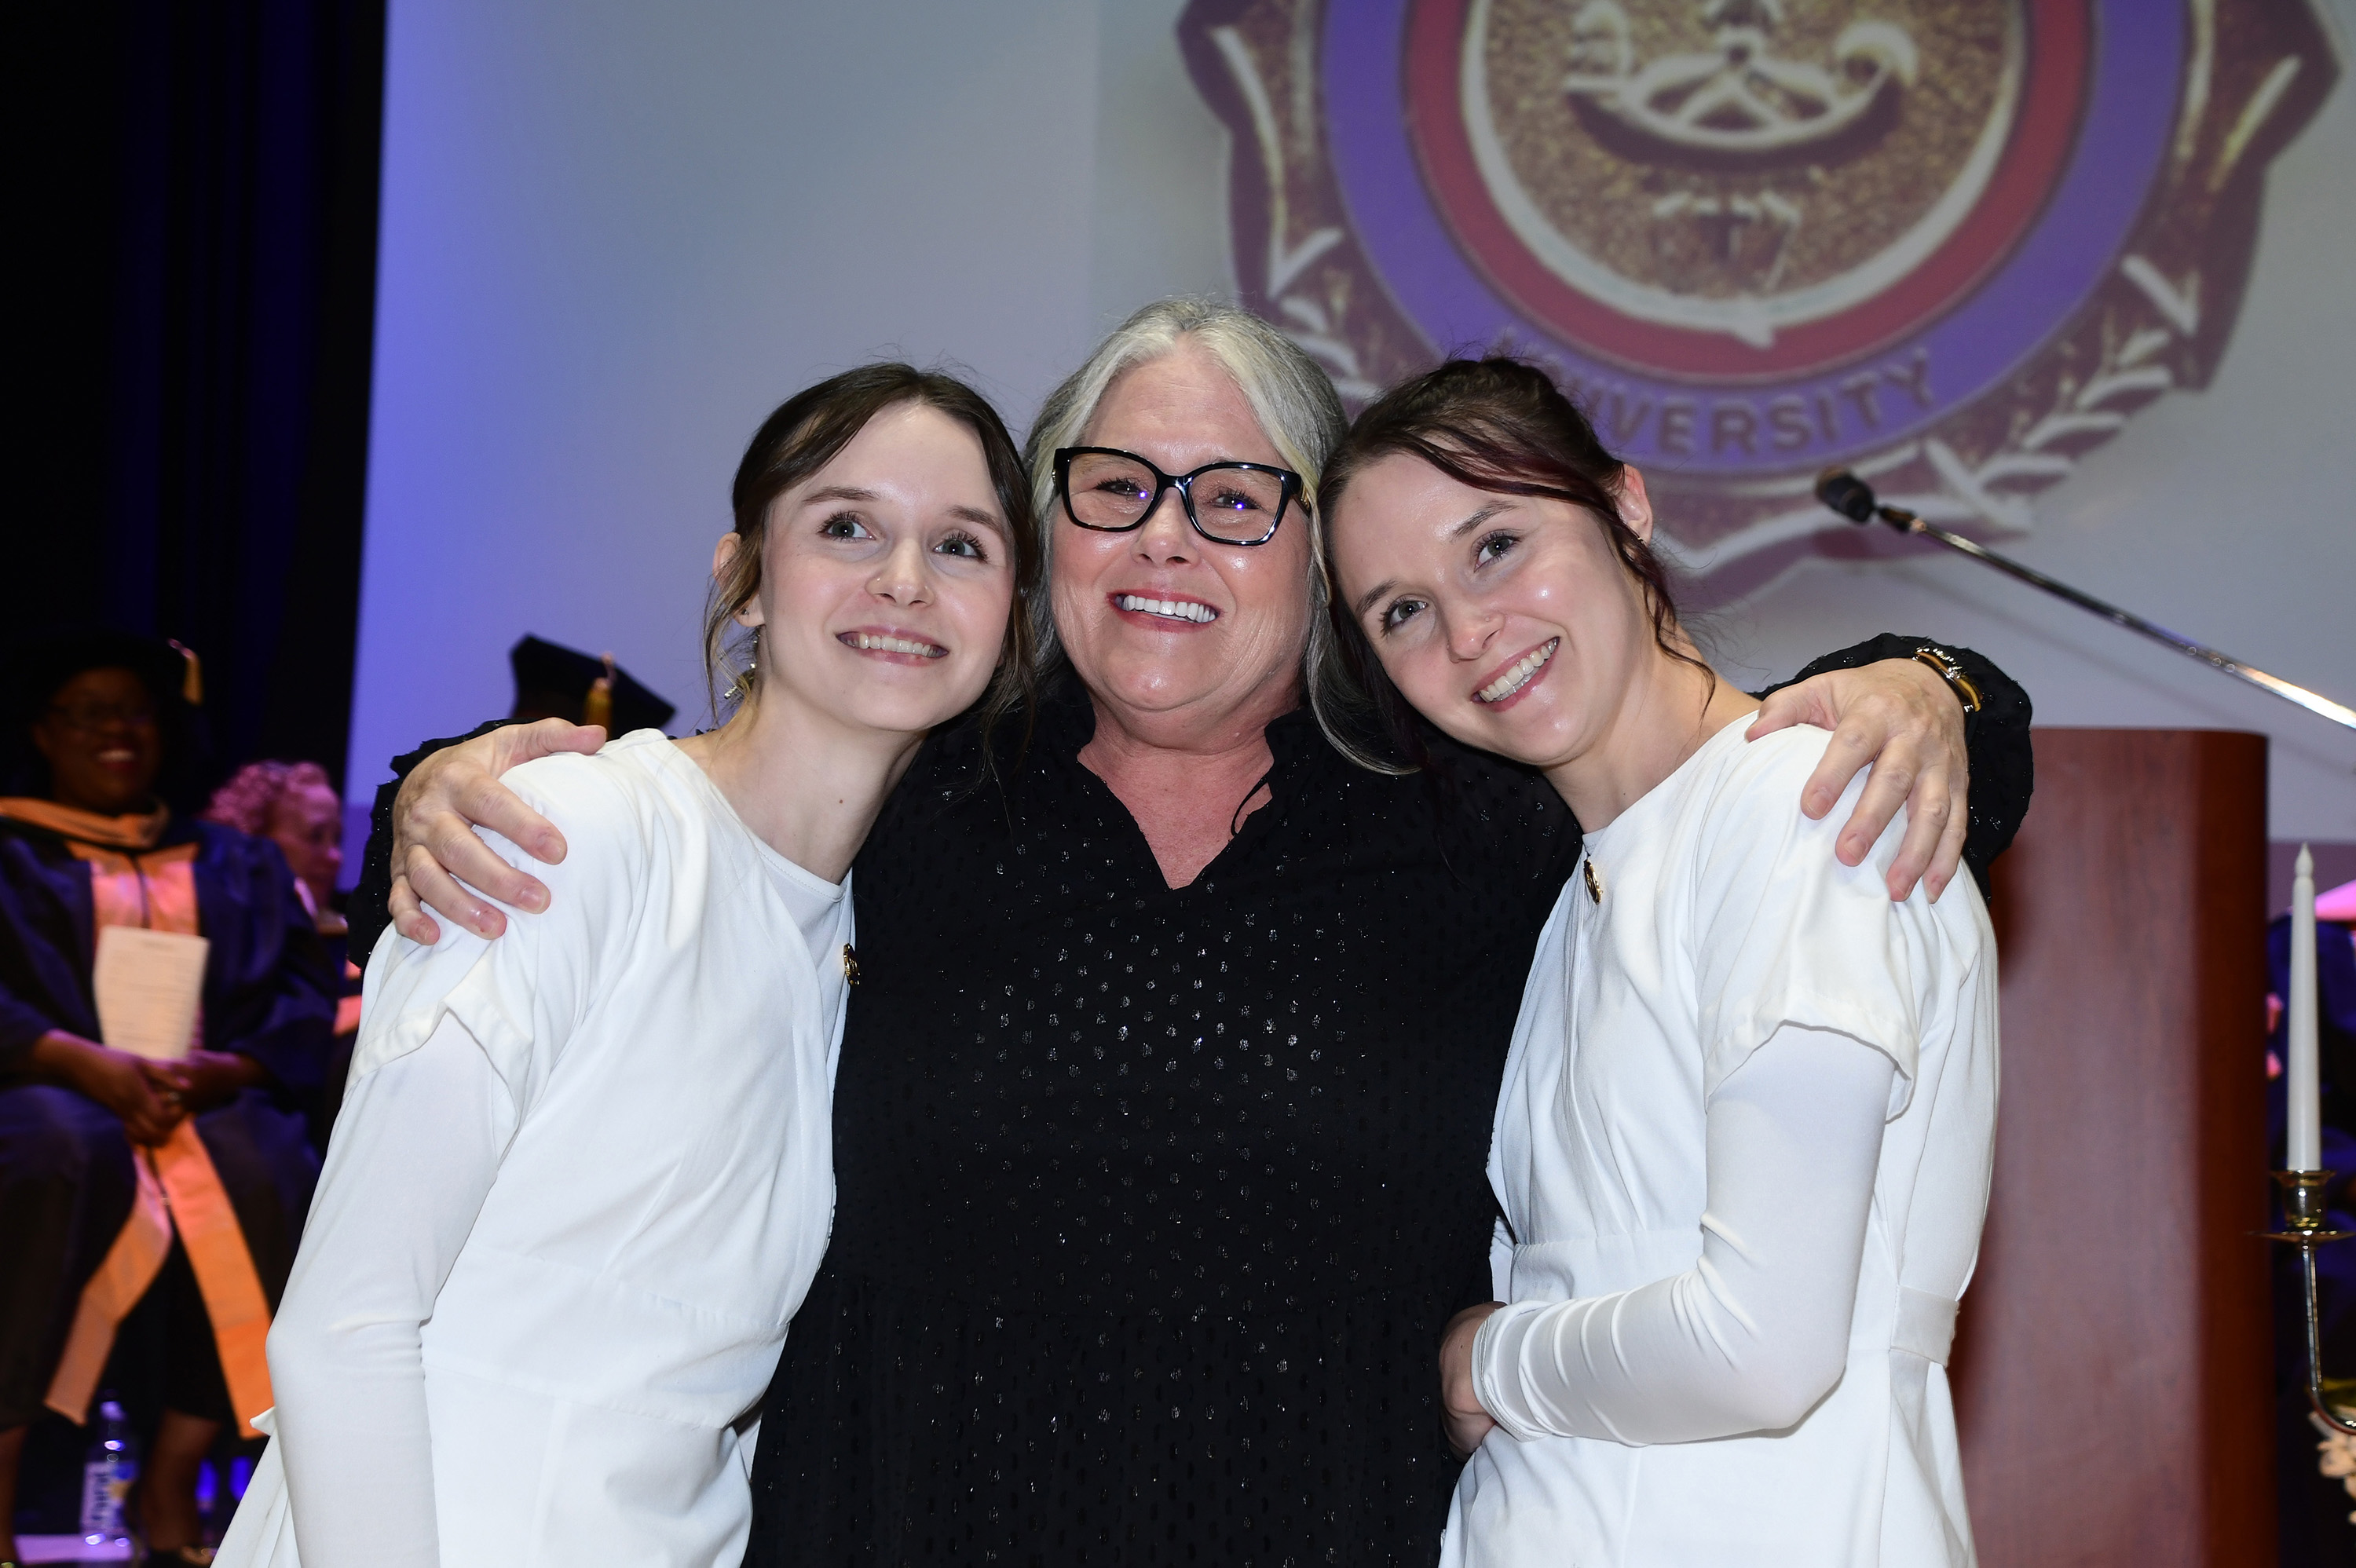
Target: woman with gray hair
[[1165, 1094]]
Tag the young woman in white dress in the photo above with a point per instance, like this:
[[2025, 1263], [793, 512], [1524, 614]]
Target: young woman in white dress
[[1742, 1146], [583, 1176]]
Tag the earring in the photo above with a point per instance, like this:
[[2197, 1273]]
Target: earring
[[744, 681]]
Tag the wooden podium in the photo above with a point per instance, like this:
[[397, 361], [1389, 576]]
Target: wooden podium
[[2114, 1364]]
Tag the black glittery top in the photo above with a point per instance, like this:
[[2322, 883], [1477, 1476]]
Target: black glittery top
[[1153, 1202]]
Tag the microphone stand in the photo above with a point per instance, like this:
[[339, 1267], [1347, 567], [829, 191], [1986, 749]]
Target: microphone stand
[[1850, 497]]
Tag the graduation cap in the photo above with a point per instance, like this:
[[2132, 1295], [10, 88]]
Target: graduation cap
[[34, 671], [556, 682]]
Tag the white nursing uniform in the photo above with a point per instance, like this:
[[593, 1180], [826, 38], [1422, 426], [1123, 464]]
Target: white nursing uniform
[[581, 1180], [1660, 1271]]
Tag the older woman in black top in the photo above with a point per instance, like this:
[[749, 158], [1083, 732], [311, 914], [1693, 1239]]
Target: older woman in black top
[[1165, 1095]]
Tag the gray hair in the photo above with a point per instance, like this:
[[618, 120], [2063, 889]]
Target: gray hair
[[1290, 393]]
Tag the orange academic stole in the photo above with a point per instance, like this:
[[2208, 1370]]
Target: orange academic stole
[[179, 1187]]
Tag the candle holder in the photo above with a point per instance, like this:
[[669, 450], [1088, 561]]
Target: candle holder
[[2303, 1215]]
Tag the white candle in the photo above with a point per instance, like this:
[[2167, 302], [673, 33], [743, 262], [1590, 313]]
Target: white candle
[[2305, 1138]]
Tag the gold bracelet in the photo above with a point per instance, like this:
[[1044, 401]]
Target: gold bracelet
[[1951, 672]]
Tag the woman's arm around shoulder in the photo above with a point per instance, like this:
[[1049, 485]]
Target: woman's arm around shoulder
[[1947, 734], [420, 824]]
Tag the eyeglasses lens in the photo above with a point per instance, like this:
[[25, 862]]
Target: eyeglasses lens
[[1238, 506], [91, 716], [1109, 492]]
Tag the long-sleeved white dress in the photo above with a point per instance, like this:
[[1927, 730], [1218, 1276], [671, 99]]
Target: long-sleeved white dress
[[1743, 1146], [581, 1181]]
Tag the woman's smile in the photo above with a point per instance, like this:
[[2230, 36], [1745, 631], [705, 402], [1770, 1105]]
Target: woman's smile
[[892, 645], [1172, 613], [1508, 686]]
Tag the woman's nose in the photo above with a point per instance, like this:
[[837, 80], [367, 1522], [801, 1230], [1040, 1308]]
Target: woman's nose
[[1470, 631], [903, 578], [1165, 534]]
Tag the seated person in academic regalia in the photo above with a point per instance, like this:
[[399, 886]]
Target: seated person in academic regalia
[[294, 805], [177, 1186]]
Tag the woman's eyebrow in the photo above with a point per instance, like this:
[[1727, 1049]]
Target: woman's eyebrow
[[1477, 519], [975, 515], [989, 520]]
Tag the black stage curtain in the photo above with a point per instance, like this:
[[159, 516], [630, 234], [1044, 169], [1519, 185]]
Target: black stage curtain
[[196, 189]]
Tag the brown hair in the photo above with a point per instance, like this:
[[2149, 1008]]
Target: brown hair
[[1498, 424], [808, 430]]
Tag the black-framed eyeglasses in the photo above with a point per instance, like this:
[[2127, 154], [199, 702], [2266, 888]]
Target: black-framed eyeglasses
[[92, 717], [1112, 491]]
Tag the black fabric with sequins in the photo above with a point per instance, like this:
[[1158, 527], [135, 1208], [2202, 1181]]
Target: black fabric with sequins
[[1153, 1202]]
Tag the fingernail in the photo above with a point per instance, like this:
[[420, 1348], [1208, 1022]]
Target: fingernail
[[533, 899]]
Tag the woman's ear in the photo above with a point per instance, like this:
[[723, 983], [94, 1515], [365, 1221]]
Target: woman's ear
[[1636, 505], [45, 740], [723, 555]]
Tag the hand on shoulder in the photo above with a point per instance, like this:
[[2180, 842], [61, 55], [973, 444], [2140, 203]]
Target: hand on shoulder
[[1752, 796], [1899, 719], [439, 863]]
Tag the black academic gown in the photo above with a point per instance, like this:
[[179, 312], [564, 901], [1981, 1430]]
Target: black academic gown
[[66, 1178]]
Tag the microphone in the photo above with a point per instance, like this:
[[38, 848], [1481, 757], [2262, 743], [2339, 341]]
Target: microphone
[[1852, 497], [1846, 493]]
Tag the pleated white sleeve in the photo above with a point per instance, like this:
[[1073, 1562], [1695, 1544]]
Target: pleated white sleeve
[[416, 1148], [1753, 1335]]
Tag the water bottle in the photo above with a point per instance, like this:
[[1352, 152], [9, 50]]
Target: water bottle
[[106, 1475]]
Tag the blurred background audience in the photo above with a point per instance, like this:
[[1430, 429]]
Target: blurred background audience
[[295, 806], [150, 1199]]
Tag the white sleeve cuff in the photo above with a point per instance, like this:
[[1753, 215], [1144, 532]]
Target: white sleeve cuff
[[1498, 1348]]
